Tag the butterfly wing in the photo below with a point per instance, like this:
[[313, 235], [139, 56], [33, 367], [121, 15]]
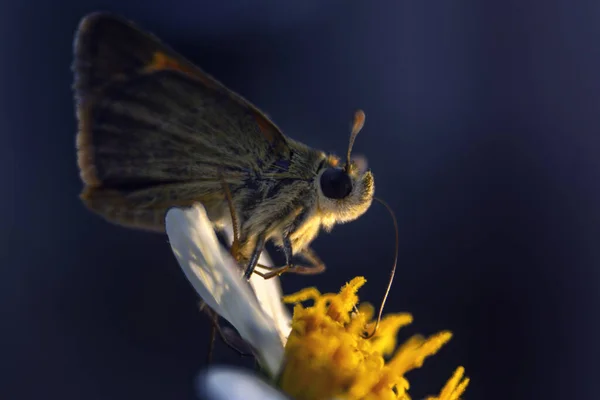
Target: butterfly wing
[[155, 131]]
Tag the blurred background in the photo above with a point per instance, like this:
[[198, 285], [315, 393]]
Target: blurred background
[[482, 132]]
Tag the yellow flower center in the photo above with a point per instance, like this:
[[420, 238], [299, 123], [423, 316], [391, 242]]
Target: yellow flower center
[[328, 357]]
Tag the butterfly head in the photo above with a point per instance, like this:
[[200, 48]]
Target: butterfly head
[[346, 192]]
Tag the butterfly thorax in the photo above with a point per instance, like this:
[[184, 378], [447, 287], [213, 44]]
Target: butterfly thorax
[[279, 199]]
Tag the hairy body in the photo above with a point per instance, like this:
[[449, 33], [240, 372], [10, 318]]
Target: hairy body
[[157, 132]]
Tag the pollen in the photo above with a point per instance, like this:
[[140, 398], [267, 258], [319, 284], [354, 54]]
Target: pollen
[[328, 356]]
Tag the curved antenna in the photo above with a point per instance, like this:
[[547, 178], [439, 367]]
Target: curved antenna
[[357, 125], [392, 272]]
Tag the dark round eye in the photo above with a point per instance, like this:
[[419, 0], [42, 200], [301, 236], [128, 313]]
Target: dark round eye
[[335, 183]]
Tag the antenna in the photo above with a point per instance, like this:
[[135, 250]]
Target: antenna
[[357, 125], [392, 272]]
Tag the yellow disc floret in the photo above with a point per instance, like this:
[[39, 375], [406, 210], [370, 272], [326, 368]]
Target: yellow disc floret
[[328, 357]]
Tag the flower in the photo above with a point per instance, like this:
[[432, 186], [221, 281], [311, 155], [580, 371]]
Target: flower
[[325, 355]]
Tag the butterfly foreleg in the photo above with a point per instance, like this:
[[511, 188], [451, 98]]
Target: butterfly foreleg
[[317, 266]]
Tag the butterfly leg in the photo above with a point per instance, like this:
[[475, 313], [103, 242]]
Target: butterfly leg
[[235, 246], [233, 342], [211, 344], [287, 251], [316, 266], [234, 220], [215, 327], [258, 248]]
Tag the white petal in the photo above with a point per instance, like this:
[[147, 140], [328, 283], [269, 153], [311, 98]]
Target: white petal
[[269, 294], [218, 280], [220, 383]]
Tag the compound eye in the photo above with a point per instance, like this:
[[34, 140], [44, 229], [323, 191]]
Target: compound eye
[[335, 183]]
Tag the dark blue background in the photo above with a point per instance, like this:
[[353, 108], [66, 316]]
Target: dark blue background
[[482, 131]]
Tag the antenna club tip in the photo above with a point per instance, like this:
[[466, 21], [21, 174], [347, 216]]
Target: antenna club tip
[[357, 125], [359, 120]]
